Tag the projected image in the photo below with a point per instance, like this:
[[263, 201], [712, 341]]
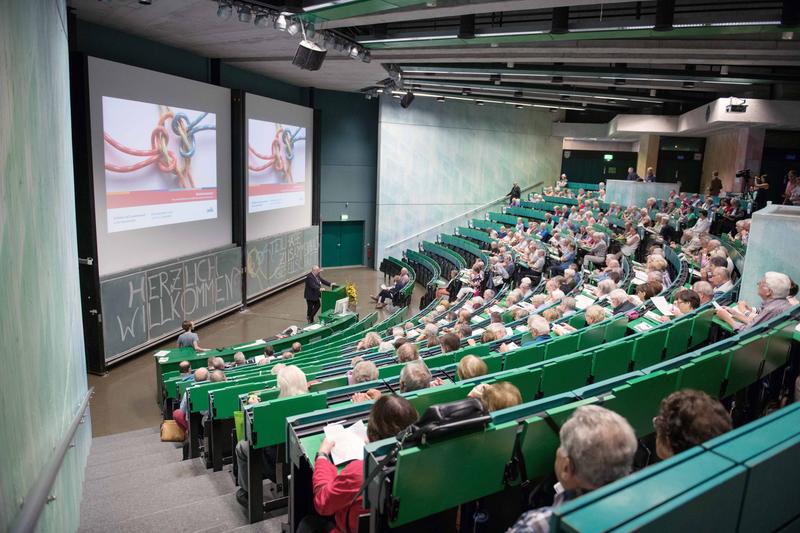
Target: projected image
[[160, 164], [276, 162]]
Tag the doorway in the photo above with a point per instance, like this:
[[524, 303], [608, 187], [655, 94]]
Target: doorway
[[342, 243]]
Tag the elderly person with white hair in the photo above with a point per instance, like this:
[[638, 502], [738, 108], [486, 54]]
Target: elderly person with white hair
[[773, 289], [604, 288], [538, 328], [597, 447], [619, 302], [597, 254], [414, 376]]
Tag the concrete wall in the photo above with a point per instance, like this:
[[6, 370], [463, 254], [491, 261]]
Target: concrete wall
[[44, 377], [729, 151]]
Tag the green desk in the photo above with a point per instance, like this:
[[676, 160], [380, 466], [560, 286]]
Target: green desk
[[328, 299]]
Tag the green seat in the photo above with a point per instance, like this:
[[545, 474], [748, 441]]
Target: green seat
[[449, 392], [562, 346], [524, 356], [565, 374], [494, 363], [678, 337], [225, 401], [744, 363], [639, 400], [705, 373], [268, 426], [648, 348], [328, 383], [701, 327], [526, 380], [474, 463], [591, 336], [611, 360], [778, 347], [577, 320], [617, 329], [439, 360]]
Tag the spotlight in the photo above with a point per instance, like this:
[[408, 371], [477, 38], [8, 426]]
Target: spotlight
[[309, 55], [261, 20], [518, 106], [406, 100], [293, 28], [280, 22], [354, 51], [478, 103], [145, 2], [245, 15], [224, 11], [440, 99]]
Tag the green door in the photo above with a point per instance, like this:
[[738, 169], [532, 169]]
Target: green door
[[342, 243]]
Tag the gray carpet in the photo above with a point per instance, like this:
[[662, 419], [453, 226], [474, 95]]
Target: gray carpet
[[134, 482]]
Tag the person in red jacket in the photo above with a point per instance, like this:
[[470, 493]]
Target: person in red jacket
[[335, 493]]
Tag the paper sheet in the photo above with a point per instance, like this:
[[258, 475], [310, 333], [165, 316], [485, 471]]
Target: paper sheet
[[522, 329], [312, 327], [641, 274], [582, 302], [259, 358], [644, 326], [477, 331], [259, 342], [476, 319], [348, 442], [160, 353], [496, 309], [512, 345], [509, 331], [412, 333], [662, 305], [652, 316]]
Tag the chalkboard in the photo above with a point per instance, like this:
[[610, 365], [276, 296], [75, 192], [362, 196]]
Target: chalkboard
[[143, 306], [276, 260]]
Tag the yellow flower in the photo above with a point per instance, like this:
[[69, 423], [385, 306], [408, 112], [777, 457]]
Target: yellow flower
[[352, 293]]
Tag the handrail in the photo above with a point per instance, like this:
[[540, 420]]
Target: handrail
[[39, 494], [448, 221]]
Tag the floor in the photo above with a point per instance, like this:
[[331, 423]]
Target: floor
[[125, 398]]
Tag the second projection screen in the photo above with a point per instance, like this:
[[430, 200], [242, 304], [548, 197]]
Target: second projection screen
[[160, 164], [276, 163]]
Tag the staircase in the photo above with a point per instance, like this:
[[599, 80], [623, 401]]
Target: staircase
[[134, 482]]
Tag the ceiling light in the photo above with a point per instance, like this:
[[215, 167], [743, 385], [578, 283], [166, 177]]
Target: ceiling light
[[478, 102], [280, 22], [293, 28], [245, 15], [224, 11], [145, 2], [440, 99], [408, 39], [511, 34], [261, 20], [354, 51], [652, 92]]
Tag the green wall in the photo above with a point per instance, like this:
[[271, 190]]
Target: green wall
[[348, 160], [589, 166], [44, 376]]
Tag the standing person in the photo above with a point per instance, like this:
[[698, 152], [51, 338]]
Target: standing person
[[515, 193], [715, 187], [760, 188], [189, 337], [632, 175], [650, 175], [791, 185], [314, 283]]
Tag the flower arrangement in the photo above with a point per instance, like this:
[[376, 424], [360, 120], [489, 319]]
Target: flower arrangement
[[352, 292]]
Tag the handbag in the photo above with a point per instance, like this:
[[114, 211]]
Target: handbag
[[171, 432], [447, 419]]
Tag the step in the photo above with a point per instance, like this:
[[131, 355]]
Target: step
[[126, 482], [270, 525], [130, 464], [214, 514], [104, 510], [127, 435], [136, 447]]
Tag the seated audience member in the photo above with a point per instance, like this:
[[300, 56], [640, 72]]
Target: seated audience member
[[185, 368], [365, 371], [647, 290], [397, 332], [181, 415], [389, 293], [407, 352], [686, 419], [496, 396], [594, 314], [219, 363], [471, 366], [597, 448], [238, 359], [370, 340], [721, 280], [291, 382], [450, 342], [415, 376], [336, 493], [464, 331], [567, 306], [604, 288], [704, 290], [296, 347], [216, 376], [569, 281], [619, 302], [539, 329], [684, 302], [773, 289], [287, 354], [551, 314], [189, 338], [565, 261], [792, 292], [597, 253]]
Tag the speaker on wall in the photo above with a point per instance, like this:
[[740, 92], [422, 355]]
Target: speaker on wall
[[407, 99], [309, 55]]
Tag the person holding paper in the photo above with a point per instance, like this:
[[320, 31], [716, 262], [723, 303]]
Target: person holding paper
[[335, 494]]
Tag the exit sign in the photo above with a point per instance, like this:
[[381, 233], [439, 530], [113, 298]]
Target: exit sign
[[608, 157], [345, 216]]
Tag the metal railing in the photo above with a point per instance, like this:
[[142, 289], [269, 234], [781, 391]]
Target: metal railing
[[39, 494], [448, 225]]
